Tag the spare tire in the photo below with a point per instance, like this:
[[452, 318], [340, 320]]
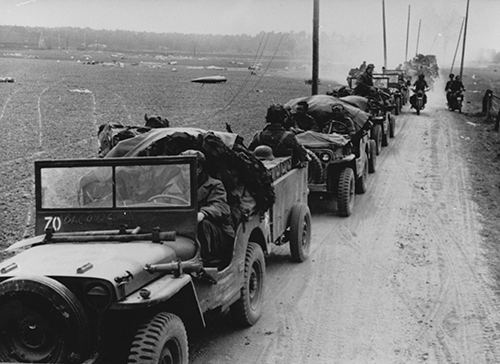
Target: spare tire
[[41, 321]]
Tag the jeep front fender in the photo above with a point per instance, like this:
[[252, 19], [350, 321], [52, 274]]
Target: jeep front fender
[[155, 293]]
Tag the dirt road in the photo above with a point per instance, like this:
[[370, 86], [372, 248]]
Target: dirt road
[[403, 280]]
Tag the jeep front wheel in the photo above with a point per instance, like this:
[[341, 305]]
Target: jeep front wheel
[[300, 232], [161, 340], [372, 157], [377, 136], [345, 192], [247, 310], [41, 321]]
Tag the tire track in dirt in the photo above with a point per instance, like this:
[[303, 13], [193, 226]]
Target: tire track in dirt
[[4, 107], [436, 219]]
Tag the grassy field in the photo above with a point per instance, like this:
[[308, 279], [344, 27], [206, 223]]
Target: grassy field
[[55, 106]]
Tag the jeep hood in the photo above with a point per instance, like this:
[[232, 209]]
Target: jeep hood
[[105, 261]]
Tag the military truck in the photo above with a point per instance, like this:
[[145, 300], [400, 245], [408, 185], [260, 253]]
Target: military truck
[[114, 270]]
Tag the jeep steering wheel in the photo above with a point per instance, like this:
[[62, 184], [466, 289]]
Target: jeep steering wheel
[[168, 196]]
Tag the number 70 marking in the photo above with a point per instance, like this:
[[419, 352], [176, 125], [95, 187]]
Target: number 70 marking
[[53, 222]]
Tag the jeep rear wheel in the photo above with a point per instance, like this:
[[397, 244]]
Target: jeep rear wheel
[[247, 310], [41, 321], [372, 157], [345, 192], [161, 340], [300, 232], [377, 136]]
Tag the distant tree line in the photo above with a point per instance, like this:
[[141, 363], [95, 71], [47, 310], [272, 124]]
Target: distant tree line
[[289, 44]]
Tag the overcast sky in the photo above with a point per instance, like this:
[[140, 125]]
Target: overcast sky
[[441, 20]]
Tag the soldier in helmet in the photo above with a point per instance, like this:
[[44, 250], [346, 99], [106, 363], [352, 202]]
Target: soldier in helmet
[[215, 232], [282, 142], [301, 120], [364, 87]]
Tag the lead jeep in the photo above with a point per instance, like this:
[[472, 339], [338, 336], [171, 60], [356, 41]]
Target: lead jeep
[[114, 271]]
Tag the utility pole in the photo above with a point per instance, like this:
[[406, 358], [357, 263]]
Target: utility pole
[[407, 33], [418, 35], [315, 59], [465, 37], [458, 45], [385, 40]]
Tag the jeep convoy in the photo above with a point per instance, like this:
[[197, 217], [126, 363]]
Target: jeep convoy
[[115, 272]]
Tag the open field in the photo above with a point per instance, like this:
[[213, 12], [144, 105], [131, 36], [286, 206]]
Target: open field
[[54, 108]]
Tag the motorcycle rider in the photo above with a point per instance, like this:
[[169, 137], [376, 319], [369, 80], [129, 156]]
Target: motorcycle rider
[[447, 88], [456, 89], [420, 85]]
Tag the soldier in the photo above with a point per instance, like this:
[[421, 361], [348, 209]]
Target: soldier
[[215, 232], [421, 85], [283, 143], [301, 119], [364, 87], [448, 86]]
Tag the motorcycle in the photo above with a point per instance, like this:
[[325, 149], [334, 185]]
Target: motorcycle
[[456, 100], [417, 100]]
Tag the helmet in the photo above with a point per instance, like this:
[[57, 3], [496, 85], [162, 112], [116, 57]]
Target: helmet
[[371, 65], [276, 114], [421, 76], [263, 152], [338, 109]]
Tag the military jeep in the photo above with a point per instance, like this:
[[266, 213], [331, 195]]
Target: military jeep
[[342, 151], [115, 272], [384, 123]]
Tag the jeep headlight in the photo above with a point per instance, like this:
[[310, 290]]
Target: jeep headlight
[[325, 157], [98, 296]]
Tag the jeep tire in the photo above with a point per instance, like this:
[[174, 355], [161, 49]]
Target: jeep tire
[[345, 192], [377, 136], [385, 133], [42, 321], [315, 169], [162, 339], [300, 232], [361, 186], [372, 157], [392, 126], [247, 310]]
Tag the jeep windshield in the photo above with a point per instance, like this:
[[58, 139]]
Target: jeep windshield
[[129, 184]]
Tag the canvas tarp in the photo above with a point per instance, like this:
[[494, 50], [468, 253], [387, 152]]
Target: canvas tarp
[[320, 108], [314, 139]]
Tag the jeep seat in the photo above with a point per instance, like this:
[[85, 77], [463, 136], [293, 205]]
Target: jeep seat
[[183, 247]]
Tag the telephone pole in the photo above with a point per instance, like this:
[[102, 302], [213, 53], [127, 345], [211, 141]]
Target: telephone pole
[[418, 35], [407, 33], [458, 45], [315, 45], [385, 39], [465, 37]]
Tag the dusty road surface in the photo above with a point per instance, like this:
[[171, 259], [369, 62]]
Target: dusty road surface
[[403, 280]]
